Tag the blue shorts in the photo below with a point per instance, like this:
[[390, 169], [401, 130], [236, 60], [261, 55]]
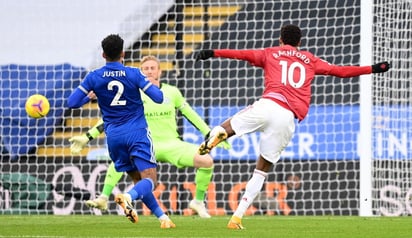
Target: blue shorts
[[131, 150]]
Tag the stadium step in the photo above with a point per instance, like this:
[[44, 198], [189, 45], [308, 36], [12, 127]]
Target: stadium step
[[213, 11], [78, 121], [62, 138], [164, 51], [162, 42], [163, 65], [54, 152], [81, 122], [193, 17], [169, 39], [197, 23]]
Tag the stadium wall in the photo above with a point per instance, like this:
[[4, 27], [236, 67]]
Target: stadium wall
[[326, 188]]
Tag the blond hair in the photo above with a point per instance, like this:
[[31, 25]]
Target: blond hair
[[148, 58]]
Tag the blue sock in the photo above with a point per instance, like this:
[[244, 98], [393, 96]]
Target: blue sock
[[150, 201], [141, 189]]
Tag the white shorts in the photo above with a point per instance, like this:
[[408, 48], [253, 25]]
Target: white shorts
[[275, 123]]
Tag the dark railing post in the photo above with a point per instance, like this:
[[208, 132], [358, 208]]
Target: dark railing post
[[207, 94], [179, 57]]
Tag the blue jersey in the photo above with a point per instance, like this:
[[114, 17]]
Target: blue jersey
[[117, 89]]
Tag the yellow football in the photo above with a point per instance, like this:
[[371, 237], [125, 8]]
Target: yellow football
[[37, 106]]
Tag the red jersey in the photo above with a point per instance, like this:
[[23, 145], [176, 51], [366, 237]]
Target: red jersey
[[289, 73]]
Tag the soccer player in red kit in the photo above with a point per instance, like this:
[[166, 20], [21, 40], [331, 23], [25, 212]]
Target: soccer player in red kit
[[288, 74]]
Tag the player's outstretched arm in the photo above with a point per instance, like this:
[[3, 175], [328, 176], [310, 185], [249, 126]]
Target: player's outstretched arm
[[381, 67], [347, 71], [80, 141], [194, 118]]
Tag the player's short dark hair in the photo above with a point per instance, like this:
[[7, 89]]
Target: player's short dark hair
[[112, 47], [290, 35]]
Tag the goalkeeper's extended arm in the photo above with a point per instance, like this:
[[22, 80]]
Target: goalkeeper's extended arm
[[78, 142], [194, 118]]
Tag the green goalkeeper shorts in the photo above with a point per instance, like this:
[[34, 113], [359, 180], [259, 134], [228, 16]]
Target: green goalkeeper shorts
[[177, 152]]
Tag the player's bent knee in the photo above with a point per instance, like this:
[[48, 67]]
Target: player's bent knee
[[203, 161]]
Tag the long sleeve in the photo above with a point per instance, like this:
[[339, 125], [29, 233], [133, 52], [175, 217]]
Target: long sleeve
[[350, 71], [77, 99], [194, 118], [325, 68], [254, 57]]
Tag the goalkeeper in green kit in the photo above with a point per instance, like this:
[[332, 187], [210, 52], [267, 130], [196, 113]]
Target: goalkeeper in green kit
[[168, 147]]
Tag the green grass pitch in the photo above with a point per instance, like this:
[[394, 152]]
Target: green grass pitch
[[188, 226]]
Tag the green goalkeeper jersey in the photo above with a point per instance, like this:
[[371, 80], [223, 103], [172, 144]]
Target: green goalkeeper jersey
[[161, 118]]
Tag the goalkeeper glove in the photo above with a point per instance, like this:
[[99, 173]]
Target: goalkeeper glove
[[381, 67], [225, 145], [78, 143], [204, 54]]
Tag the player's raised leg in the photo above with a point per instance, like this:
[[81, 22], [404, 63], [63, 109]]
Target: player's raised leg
[[217, 135]]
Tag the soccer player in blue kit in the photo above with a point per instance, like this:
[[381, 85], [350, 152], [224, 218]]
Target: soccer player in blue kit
[[128, 138]]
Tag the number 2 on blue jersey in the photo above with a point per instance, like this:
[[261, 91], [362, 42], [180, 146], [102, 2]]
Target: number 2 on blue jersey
[[120, 88]]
